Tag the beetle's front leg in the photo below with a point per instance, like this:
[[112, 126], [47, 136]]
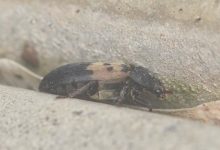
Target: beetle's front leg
[[136, 100]]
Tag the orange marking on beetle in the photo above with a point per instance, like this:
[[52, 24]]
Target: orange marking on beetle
[[106, 75], [101, 66]]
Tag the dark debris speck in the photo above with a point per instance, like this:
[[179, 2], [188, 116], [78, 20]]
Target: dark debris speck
[[77, 112], [77, 11]]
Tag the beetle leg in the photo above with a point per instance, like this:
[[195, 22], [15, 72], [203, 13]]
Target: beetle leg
[[134, 94], [123, 93], [82, 90], [148, 105]]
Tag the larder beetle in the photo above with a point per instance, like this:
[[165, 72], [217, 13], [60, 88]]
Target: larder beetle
[[105, 82]]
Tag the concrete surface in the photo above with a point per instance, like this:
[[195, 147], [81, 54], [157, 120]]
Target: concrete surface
[[31, 120]]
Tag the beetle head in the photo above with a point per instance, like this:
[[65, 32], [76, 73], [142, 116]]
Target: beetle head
[[148, 81], [141, 96]]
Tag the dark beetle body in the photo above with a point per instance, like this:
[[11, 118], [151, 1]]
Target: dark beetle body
[[114, 82]]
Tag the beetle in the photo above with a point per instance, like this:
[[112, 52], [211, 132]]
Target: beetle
[[115, 83]]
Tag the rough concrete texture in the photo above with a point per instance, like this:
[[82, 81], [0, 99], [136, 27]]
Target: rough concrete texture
[[31, 120]]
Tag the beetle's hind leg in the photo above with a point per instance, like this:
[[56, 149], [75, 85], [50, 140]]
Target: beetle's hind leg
[[123, 93], [83, 90]]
